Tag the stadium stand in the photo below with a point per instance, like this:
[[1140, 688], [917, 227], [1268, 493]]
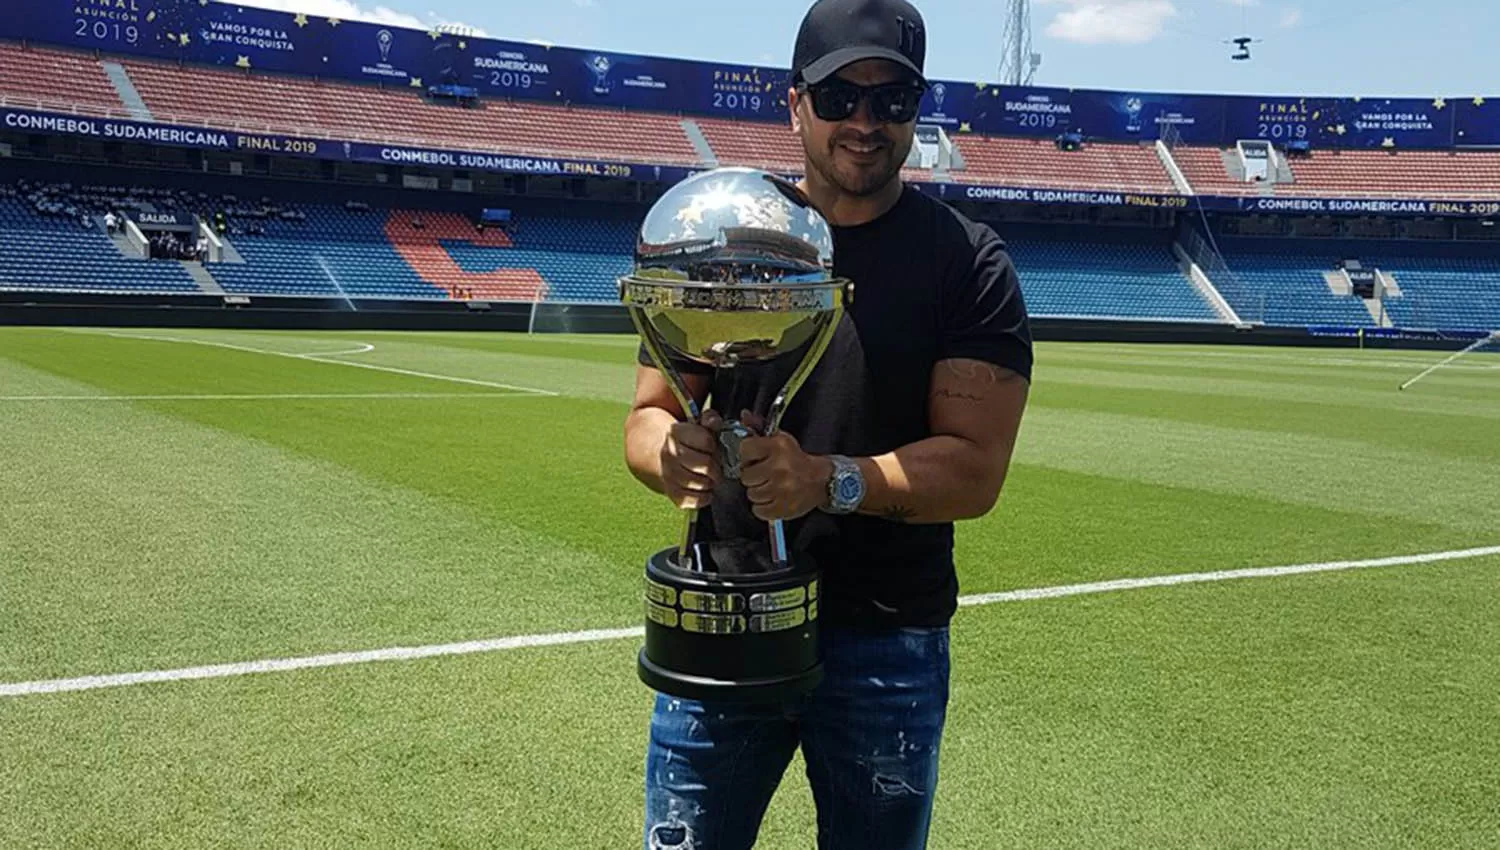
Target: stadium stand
[[348, 111], [1205, 171], [1280, 282], [1450, 175], [1451, 285], [1039, 164], [579, 259], [1458, 175], [56, 80], [1102, 273], [754, 144], [51, 239], [365, 252]]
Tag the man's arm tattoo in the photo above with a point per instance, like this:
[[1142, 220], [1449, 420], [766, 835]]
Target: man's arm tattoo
[[970, 370], [898, 513], [957, 396]]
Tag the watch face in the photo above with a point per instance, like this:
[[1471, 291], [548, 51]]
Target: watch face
[[849, 489]]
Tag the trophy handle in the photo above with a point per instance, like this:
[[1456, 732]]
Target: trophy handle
[[690, 406], [821, 338]]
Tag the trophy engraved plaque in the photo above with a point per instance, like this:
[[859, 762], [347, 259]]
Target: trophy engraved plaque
[[733, 266]]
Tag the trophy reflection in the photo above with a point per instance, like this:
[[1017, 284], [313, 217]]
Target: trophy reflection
[[733, 266]]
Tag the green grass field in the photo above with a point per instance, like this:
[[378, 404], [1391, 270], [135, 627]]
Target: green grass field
[[166, 504]]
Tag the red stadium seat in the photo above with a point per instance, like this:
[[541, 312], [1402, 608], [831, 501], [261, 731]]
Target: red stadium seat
[[56, 80], [1038, 163], [366, 113], [1456, 175]]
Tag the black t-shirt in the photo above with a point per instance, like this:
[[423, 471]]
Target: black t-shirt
[[929, 284]]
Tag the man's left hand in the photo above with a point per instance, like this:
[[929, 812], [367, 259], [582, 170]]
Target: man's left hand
[[783, 481]]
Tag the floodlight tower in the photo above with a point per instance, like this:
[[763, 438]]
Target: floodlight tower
[[1018, 63]]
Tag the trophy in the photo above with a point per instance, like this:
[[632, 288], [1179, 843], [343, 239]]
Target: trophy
[[733, 266]]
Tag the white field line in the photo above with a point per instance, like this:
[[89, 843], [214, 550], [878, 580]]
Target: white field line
[[317, 357], [1379, 359], [263, 396], [217, 671]]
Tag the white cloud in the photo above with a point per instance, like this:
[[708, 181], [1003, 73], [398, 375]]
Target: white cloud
[[346, 10], [1110, 21], [1290, 17]]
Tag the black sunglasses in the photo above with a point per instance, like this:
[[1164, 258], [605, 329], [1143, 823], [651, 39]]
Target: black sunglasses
[[890, 103]]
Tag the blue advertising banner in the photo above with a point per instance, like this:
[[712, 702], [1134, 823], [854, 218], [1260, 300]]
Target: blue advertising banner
[[1353, 206], [230, 36], [1277, 119], [506, 163], [957, 107], [139, 27], [30, 121], [511, 69], [1022, 111], [736, 91], [620, 80], [238, 37], [1477, 122], [1128, 116], [1392, 123], [1345, 123]]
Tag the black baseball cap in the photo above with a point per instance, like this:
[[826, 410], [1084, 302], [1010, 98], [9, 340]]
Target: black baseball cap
[[836, 33]]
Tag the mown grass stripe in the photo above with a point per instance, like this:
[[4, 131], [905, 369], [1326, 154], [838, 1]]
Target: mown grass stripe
[[274, 665]]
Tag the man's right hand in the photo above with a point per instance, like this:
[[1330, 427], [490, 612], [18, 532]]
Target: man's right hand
[[690, 461]]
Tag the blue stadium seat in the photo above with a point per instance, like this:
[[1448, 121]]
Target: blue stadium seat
[[47, 253], [1096, 273], [1447, 285]]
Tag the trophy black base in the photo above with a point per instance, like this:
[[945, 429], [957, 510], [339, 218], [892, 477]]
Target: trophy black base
[[713, 636]]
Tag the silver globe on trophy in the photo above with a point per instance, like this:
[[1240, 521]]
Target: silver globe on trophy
[[733, 266]]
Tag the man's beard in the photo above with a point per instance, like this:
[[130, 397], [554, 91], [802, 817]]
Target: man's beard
[[859, 182]]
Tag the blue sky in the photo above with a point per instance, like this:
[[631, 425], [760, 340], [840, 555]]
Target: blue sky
[[1415, 48]]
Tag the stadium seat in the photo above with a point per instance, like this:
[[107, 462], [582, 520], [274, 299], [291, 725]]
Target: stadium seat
[[1102, 273], [55, 80], [1432, 175], [348, 111], [48, 253], [1037, 163]]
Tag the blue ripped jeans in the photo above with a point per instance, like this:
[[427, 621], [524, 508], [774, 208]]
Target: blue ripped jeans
[[869, 735]]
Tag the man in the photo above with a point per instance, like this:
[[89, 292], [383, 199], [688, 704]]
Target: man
[[906, 425]]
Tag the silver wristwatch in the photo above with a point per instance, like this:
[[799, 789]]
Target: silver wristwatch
[[846, 487]]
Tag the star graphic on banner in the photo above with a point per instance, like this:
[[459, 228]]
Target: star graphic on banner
[[1389, 142], [1341, 129], [433, 34], [184, 38], [963, 127], [150, 16], [300, 20], [463, 45], [333, 22], [1479, 101], [979, 86], [202, 2], [1358, 99], [242, 62], [1440, 103], [416, 82]]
